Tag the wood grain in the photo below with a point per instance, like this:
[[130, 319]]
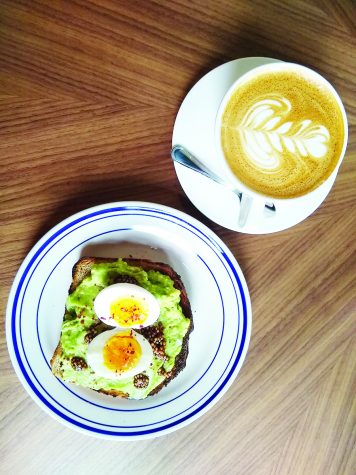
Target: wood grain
[[88, 97]]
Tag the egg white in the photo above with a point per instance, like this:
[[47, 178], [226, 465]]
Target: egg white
[[95, 357], [113, 292]]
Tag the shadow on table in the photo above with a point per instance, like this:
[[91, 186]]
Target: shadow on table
[[110, 190], [255, 37]]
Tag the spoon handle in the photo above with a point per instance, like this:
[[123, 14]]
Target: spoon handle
[[181, 155]]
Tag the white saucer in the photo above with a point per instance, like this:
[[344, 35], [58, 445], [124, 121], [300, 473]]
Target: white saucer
[[194, 129]]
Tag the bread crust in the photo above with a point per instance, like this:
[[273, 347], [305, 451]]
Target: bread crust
[[83, 268]]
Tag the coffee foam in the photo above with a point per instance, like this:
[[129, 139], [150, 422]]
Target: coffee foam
[[282, 133]]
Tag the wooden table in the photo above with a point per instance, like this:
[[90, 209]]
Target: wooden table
[[89, 94]]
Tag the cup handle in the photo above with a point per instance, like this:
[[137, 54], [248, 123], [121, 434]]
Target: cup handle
[[245, 206], [246, 202]]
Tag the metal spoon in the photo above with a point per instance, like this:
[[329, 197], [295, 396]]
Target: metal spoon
[[181, 155]]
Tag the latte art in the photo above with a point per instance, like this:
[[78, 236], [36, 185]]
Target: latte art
[[266, 134], [282, 134]]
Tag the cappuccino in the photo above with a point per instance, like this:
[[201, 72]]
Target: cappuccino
[[282, 133]]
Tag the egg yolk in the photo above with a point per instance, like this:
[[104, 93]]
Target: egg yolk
[[121, 353], [128, 311]]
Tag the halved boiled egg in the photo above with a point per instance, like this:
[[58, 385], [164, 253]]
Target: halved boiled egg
[[119, 354], [126, 306]]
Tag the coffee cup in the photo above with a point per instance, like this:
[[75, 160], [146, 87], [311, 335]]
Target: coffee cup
[[281, 134]]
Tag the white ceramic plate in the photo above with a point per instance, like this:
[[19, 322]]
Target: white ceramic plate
[[214, 283], [194, 129]]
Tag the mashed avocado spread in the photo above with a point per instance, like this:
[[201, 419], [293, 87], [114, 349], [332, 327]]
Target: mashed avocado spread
[[80, 317]]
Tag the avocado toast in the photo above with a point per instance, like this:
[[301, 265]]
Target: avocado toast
[[168, 336]]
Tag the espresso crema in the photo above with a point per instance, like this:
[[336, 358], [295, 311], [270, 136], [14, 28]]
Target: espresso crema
[[282, 133]]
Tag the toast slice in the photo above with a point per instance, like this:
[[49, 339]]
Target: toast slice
[[82, 269]]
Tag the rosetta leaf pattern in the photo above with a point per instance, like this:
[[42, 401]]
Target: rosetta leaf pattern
[[267, 134]]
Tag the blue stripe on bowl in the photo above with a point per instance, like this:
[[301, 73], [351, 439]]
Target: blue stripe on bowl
[[86, 400], [152, 430], [90, 402]]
